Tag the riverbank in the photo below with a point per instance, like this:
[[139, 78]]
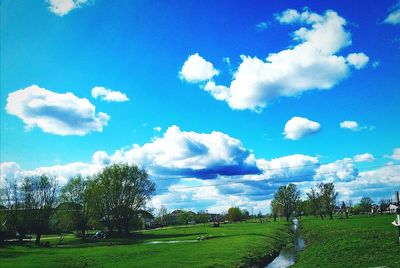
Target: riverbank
[[230, 245], [360, 241]]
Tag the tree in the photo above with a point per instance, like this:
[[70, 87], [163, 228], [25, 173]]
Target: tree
[[383, 205], [287, 196], [234, 214], [77, 207], [39, 199], [162, 214], [366, 204], [314, 198], [276, 209], [344, 209], [184, 217], [122, 190], [202, 217], [328, 197]]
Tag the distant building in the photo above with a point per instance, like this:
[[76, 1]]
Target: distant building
[[392, 208]]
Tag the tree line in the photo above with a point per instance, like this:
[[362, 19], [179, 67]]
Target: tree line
[[114, 198], [321, 201]]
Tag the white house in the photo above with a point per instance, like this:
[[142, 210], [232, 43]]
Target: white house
[[392, 208]]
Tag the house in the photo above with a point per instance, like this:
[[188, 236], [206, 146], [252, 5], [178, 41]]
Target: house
[[392, 208]]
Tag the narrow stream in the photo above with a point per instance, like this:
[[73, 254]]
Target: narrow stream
[[287, 256]]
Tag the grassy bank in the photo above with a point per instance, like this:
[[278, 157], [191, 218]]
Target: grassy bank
[[357, 242], [230, 245]]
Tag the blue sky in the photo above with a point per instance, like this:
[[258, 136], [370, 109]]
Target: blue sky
[[210, 93]]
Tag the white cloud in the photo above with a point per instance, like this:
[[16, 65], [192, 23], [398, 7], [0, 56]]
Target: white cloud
[[218, 92], [197, 69], [9, 171], [355, 126], [287, 168], [63, 7], [340, 170], [352, 125], [191, 154], [358, 60], [61, 114], [367, 157], [311, 63], [157, 129], [394, 16], [108, 95], [12, 172], [377, 184], [101, 158], [396, 154], [262, 26], [298, 127]]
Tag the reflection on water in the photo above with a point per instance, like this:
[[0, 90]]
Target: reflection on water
[[287, 256]]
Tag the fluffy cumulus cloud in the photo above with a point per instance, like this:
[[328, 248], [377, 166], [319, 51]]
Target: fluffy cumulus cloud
[[340, 170], [297, 167], [197, 69], [63, 7], [377, 184], [358, 60], [60, 114], [108, 95], [396, 154], [9, 171], [191, 154], [298, 127], [367, 157], [312, 63], [12, 172], [351, 125]]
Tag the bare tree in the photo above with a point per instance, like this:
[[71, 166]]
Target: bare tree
[[162, 213]]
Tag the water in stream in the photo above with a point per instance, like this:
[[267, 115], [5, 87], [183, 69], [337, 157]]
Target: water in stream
[[287, 256]]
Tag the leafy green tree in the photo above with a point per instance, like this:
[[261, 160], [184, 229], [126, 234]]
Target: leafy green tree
[[184, 217], [328, 197], [39, 200], [315, 200], [276, 208], [202, 217], [383, 205], [366, 204], [287, 196], [235, 214], [121, 191], [77, 208]]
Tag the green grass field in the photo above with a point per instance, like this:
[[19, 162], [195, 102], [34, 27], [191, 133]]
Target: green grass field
[[356, 242], [230, 245]]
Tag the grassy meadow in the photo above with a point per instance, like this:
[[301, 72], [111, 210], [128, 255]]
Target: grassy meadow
[[230, 245], [356, 242]]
